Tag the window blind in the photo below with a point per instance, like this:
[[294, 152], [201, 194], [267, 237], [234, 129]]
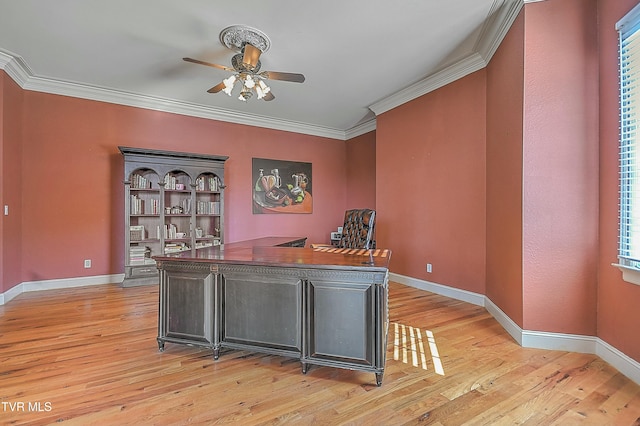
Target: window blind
[[629, 241]]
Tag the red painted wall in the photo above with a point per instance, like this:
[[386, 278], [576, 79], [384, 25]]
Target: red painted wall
[[72, 179], [618, 301], [505, 99], [361, 171], [10, 182], [560, 167], [2, 190], [430, 184]]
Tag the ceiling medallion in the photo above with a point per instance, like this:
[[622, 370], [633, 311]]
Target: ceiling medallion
[[236, 36]]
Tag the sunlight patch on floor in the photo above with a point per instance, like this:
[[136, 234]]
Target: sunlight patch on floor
[[409, 347]]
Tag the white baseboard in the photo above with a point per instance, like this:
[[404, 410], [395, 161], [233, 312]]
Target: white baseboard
[[534, 339], [623, 363], [58, 284], [503, 319], [454, 293]]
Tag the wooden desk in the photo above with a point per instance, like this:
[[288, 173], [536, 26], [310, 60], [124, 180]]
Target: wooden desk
[[324, 306]]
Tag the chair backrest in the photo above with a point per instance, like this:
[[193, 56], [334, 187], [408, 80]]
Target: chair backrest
[[358, 229]]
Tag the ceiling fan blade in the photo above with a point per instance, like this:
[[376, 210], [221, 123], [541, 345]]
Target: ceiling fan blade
[[216, 88], [284, 76], [269, 97], [196, 61], [251, 56]]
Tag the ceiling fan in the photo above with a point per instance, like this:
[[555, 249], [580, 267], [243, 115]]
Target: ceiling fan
[[245, 65]]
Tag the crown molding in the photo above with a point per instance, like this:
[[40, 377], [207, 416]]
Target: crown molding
[[435, 81], [361, 129], [495, 28], [168, 105], [18, 70], [501, 16], [15, 67]]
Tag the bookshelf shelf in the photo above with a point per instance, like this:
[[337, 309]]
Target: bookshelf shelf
[[174, 202]]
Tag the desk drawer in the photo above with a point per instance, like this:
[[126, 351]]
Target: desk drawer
[[143, 271]]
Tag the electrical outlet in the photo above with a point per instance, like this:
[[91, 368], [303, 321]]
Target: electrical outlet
[[429, 268], [6, 210], [87, 263]]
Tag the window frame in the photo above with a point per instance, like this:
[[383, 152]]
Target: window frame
[[629, 149]]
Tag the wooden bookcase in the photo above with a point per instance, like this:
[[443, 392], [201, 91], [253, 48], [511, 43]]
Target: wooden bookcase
[[174, 201]]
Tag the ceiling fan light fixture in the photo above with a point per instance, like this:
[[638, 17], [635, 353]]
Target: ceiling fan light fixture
[[251, 44], [245, 95], [266, 89], [248, 82], [262, 89], [229, 84]]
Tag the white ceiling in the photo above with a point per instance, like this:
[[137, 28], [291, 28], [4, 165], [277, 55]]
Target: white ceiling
[[359, 57]]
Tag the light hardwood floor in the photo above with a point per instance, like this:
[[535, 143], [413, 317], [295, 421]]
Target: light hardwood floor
[[89, 356]]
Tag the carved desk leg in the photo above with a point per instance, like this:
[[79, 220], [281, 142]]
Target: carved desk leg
[[379, 379]]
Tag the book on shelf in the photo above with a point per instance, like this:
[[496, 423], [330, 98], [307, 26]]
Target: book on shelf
[[208, 183], [172, 182], [208, 207], [186, 206], [137, 205], [169, 232], [208, 243], [175, 247], [140, 182], [141, 206], [140, 255], [153, 206]]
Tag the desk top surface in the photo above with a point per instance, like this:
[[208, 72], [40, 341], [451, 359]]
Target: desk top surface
[[265, 252]]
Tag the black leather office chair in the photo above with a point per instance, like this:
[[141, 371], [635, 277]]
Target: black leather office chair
[[358, 229]]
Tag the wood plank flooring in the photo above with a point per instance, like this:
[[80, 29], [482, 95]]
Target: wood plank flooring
[[89, 356]]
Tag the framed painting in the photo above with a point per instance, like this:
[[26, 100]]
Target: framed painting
[[281, 186]]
